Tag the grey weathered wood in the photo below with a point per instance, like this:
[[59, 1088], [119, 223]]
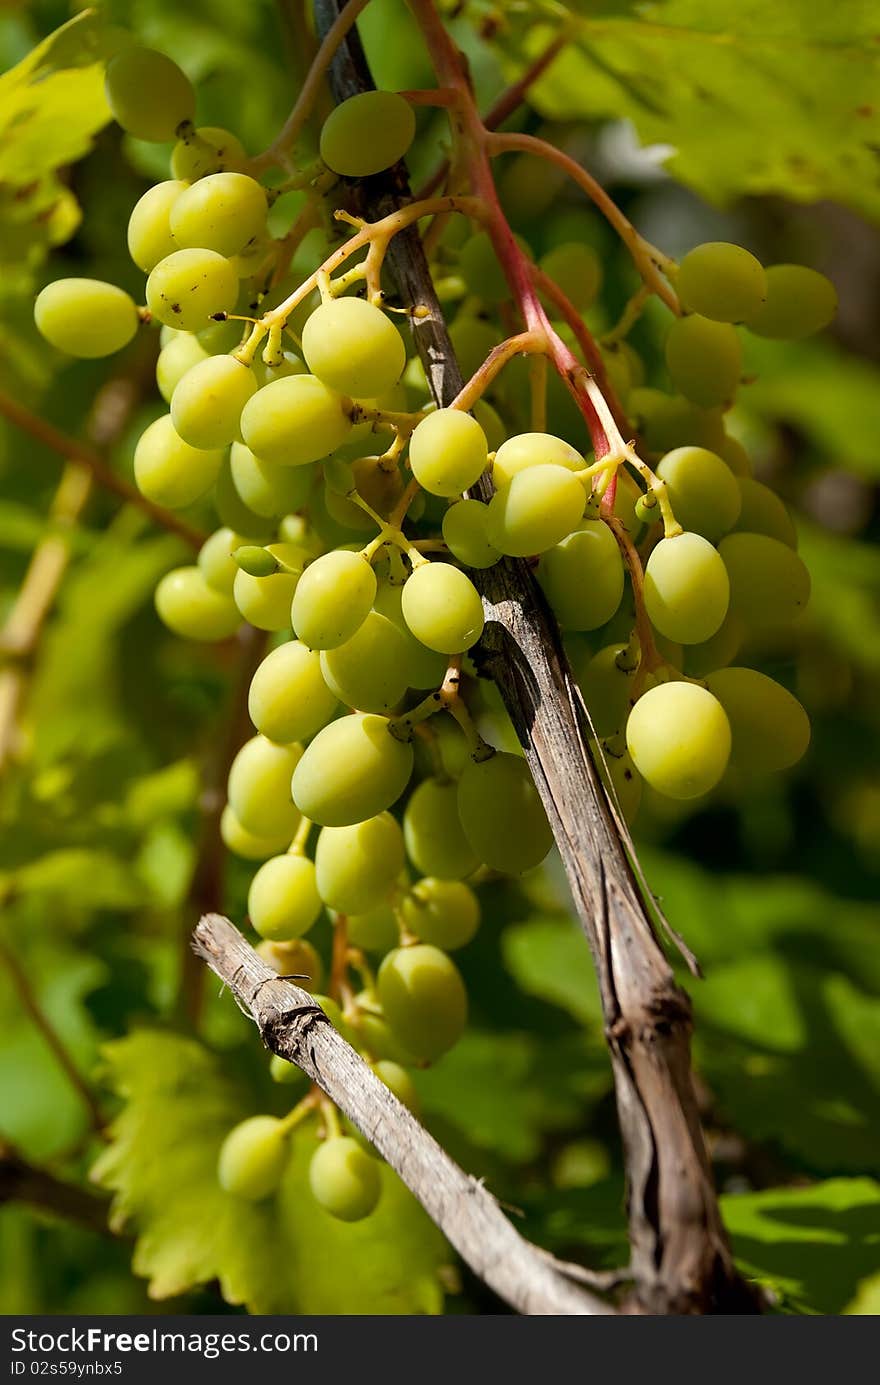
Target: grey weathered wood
[[293, 1026], [681, 1260]]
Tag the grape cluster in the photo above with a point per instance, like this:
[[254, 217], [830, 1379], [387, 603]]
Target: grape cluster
[[355, 559]]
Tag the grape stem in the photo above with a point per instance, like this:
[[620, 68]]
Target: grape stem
[[523, 343], [292, 1026], [650, 262]]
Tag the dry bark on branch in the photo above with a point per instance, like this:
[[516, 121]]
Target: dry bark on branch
[[681, 1260], [292, 1025]]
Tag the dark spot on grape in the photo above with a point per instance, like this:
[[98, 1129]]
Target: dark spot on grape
[[175, 307]]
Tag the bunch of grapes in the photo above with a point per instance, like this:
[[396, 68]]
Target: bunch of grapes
[[346, 532]]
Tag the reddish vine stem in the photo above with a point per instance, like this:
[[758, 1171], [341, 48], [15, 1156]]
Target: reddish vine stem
[[680, 1256]]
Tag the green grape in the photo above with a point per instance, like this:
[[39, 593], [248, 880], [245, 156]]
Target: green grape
[[532, 449], [762, 512], [380, 488], [192, 609], [234, 513], [582, 577], [374, 1033], [445, 913], [800, 301], [85, 317], [266, 601], [423, 998], [704, 359], [345, 512], [222, 212], [472, 339], [149, 228], [207, 403], [687, 590], [665, 421], [702, 490], [606, 681], [218, 567], [243, 843], [425, 668], [284, 1073], [169, 471], [259, 788], [464, 532], [295, 957], [398, 1081], [435, 840], [679, 738], [357, 865], [353, 769], [344, 1179], [207, 149], [148, 93], [479, 268], [189, 287], [769, 727], [576, 268], [367, 133], [370, 671], [716, 652], [375, 930], [502, 815], [721, 281], [442, 608], [448, 452], [769, 584], [735, 455], [538, 509], [353, 347], [294, 421], [333, 599], [269, 490], [175, 359], [253, 1158], [288, 365], [283, 900], [289, 700], [618, 773]]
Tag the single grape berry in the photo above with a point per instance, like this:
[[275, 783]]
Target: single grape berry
[[192, 609], [85, 317], [149, 226], [367, 133], [442, 608], [435, 840], [283, 901], [288, 699], [344, 1179], [189, 287], [353, 347], [207, 149], [702, 490], [295, 420], [800, 301], [679, 738], [448, 452], [704, 359], [687, 589], [207, 403], [769, 727], [252, 1158], [582, 577], [352, 770], [502, 815], [769, 583], [222, 212], [532, 449], [722, 281], [370, 671], [246, 844], [465, 534], [423, 998], [445, 913], [357, 865], [149, 95], [170, 471], [259, 787], [333, 598], [538, 508]]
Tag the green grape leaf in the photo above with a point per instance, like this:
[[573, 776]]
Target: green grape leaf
[[548, 957], [745, 98], [80, 878], [813, 1245], [51, 105], [285, 1255], [867, 1298], [503, 1092]]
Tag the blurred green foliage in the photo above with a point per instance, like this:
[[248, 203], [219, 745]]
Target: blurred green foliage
[[764, 111]]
